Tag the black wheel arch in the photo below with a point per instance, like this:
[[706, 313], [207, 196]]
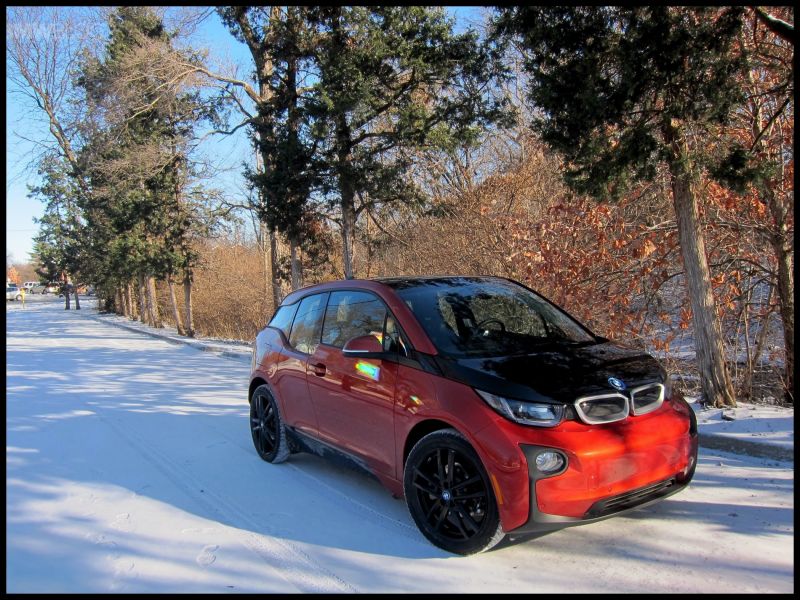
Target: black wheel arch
[[257, 382], [423, 428]]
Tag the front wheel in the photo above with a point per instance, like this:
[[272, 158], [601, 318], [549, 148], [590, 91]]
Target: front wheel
[[266, 426], [449, 495]]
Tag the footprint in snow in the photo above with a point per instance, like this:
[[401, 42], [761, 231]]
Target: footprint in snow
[[207, 556], [122, 522], [198, 530], [101, 540]]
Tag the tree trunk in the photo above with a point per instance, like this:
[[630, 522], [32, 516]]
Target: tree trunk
[[747, 384], [780, 241], [123, 298], [276, 280], [187, 300], [119, 307], [123, 295], [264, 67], [297, 274], [175, 312], [293, 126], [347, 194], [368, 266], [129, 301], [782, 247], [348, 228], [348, 220], [265, 252], [714, 377], [77, 302], [786, 294], [153, 301], [142, 301]]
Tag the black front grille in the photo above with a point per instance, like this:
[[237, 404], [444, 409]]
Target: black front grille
[[630, 499]]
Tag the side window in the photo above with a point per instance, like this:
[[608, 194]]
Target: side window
[[307, 323], [282, 320], [393, 339], [352, 314]]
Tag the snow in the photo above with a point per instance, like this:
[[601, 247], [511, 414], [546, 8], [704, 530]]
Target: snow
[[130, 469], [764, 423]]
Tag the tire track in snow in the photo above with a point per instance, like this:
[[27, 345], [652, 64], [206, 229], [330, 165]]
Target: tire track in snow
[[283, 557], [363, 511], [377, 517], [341, 498]]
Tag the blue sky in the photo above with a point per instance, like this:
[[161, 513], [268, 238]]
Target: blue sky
[[226, 152]]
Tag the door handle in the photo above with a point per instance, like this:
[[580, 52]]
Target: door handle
[[319, 369]]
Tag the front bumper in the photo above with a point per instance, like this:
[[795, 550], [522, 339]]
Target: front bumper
[[611, 468], [603, 508]]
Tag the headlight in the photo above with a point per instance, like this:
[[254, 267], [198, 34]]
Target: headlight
[[526, 413]]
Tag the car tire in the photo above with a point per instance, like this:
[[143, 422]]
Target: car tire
[[18, 297], [267, 427], [449, 494]]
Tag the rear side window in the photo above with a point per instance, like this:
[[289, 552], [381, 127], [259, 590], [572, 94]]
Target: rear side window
[[282, 320], [352, 314], [307, 323]]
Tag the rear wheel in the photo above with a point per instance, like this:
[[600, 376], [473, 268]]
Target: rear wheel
[[266, 426], [449, 494]]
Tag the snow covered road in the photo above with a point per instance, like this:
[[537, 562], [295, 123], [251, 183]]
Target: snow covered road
[[130, 468]]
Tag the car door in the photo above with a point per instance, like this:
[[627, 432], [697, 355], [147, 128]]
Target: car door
[[290, 375], [354, 396]]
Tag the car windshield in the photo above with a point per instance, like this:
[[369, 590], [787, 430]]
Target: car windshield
[[487, 317]]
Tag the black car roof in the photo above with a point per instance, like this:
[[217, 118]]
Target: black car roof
[[423, 280]]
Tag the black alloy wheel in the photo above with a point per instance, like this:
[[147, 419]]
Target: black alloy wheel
[[266, 426], [449, 495]]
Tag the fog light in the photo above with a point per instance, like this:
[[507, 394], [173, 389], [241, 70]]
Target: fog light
[[550, 462]]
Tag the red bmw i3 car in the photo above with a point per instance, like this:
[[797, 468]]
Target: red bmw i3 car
[[490, 409]]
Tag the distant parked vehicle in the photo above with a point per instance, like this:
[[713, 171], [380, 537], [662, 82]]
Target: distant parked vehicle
[[51, 288], [13, 293], [38, 289], [29, 285]]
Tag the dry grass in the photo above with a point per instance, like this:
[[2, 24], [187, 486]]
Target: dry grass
[[229, 297]]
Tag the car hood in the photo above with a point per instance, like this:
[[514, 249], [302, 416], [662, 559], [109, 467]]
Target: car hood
[[556, 373]]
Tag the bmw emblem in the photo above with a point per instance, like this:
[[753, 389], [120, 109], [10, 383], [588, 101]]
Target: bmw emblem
[[617, 384]]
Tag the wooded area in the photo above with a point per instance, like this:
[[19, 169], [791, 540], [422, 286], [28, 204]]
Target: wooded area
[[633, 164]]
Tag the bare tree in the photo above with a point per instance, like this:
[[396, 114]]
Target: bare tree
[[43, 46]]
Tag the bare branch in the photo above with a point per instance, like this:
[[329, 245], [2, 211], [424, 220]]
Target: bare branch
[[782, 29]]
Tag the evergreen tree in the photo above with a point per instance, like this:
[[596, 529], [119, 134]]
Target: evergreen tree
[[138, 157], [392, 80], [620, 90], [57, 246], [255, 27], [282, 39]]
